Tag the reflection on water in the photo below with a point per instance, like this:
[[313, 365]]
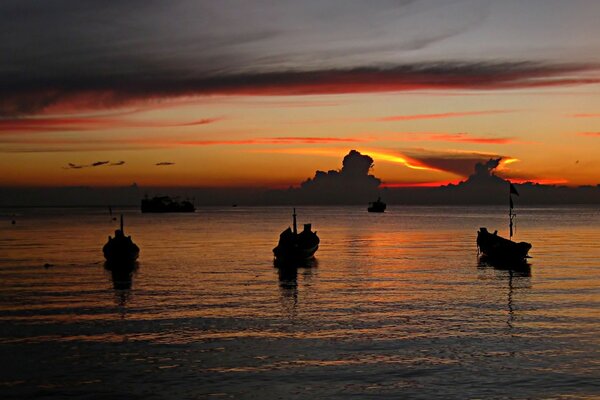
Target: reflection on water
[[398, 306], [287, 272], [121, 275], [517, 276]]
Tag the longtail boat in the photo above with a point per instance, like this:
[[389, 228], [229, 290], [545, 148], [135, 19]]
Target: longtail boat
[[497, 248], [294, 246]]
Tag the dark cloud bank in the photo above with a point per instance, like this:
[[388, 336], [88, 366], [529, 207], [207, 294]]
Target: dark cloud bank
[[351, 184], [77, 55]]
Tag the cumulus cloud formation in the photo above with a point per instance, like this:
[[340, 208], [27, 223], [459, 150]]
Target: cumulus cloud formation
[[353, 183], [483, 180]]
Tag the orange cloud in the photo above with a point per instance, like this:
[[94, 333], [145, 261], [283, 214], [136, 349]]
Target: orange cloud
[[585, 115], [465, 138], [440, 115], [459, 137]]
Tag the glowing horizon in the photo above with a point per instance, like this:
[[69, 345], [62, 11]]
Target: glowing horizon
[[265, 104]]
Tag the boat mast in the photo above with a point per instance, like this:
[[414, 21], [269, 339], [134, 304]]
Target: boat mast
[[295, 227], [511, 190], [510, 214], [122, 231]]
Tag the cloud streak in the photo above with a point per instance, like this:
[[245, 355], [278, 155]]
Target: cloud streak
[[74, 144], [445, 115], [449, 137], [94, 164], [66, 124], [23, 96], [593, 115]]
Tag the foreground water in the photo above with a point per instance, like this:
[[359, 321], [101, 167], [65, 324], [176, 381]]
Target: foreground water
[[396, 305]]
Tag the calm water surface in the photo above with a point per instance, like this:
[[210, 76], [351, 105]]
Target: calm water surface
[[396, 305]]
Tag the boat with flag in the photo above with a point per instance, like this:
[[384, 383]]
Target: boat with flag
[[294, 246], [497, 248]]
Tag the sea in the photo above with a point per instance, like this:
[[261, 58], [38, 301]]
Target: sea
[[395, 305]]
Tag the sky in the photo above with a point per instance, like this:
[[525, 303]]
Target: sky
[[264, 93]]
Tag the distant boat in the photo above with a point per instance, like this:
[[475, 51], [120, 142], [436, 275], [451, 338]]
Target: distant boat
[[377, 206], [497, 248], [294, 246], [165, 204], [120, 249]]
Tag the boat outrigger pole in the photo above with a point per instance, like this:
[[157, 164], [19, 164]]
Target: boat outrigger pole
[[295, 227]]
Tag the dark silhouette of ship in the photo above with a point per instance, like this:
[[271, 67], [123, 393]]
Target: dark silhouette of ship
[[498, 249], [120, 250], [165, 204], [294, 246], [377, 206]]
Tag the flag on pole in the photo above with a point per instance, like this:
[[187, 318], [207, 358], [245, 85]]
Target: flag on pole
[[513, 190]]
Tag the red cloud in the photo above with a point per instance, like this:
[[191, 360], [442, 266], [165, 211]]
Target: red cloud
[[275, 140], [90, 144], [420, 184]]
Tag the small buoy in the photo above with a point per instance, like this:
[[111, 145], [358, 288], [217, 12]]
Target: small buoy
[[13, 222], [48, 265]]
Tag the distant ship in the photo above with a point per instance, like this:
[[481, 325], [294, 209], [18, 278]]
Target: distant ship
[[497, 248], [294, 246], [377, 206], [120, 249], [165, 204]]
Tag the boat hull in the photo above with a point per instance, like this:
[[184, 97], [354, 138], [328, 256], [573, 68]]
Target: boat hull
[[294, 252], [120, 253], [498, 248], [377, 207]]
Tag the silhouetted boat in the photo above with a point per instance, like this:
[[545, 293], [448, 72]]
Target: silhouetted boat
[[120, 250], [497, 248], [377, 206], [165, 204], [294, 246]]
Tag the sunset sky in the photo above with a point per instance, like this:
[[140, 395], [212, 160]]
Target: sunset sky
[[263, 93]]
